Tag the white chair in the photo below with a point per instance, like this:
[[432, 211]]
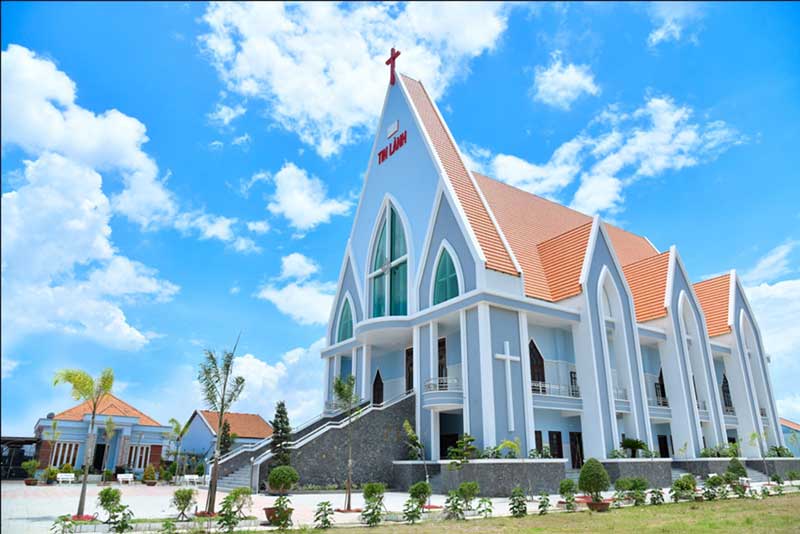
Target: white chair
[[69, 478], [191, 479], [123, 478]]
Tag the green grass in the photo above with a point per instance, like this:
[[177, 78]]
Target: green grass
[[774, 515]]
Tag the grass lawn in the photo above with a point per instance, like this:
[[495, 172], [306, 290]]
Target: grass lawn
[[775, 514]]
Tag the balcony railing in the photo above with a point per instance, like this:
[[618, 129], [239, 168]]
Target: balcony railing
[[620, 394], [728, 410], [443, 384], [658, 400], [562, 390], [702, 406]]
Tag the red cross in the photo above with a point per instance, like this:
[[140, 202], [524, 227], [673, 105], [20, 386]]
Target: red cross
[[392, 58]]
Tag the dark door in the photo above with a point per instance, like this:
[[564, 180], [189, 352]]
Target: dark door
[[445, 442], [726, 392], [409, 369], [538, 437], [99, 451], [661, 391], [377, 389], [576, 449], [663, 446], [537, 368], [556, 447], [442, 358]]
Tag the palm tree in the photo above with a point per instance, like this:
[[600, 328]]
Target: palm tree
[[91, 390], [110, 427], [347, 399], [176, 435], [220, 391]]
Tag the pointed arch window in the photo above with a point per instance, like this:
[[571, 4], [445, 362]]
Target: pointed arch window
[[345, 323], [388, 279], [726, 393], [538, 378], [446, 281]]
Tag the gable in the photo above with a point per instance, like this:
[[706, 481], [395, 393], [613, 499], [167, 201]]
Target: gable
[[714, 297], [347, 287], [108, 405]]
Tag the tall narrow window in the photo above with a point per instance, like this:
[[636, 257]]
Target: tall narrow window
[[537, 369], [409, 368], [389, 276], [446, 280], [661, 391], [345, 323], [442, 358], [726, 392]]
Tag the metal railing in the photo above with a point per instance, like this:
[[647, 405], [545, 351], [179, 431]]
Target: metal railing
[[620, 394], [658, 400], [728, 410], [702, 406], [561, 390], [337, 406], [443, 384]]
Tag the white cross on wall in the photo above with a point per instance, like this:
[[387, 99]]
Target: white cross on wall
[[508, 358]]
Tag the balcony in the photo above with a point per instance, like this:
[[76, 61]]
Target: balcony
[[620, 394], [556, 396], [658, 401], [442, 393], [659, 408], [728, 410], [562, 390]]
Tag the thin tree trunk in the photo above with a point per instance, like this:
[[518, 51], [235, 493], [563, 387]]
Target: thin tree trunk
[[212, 485], [89, 444]]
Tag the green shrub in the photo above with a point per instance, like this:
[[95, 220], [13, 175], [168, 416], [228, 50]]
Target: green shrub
[[656, 496], [569, 502], [282, 478], [200, 470], [736, 469], [462, 452], [373, 490], [777, 451], [66, 468], [108, 474], [593, 479], [30, 467], [227, 518], [512, 448], [283, 511], [776, 478], [468, 491], [484, 507], [623, 484], [683, 488], [168, 527], [412, 511], [633, 445], [109, 498], [50, 474], [64, 524], [454, 506], [790, 475], [240, 498], [323, 515], [164, 474], [182, 500], [420, 491], [544, 503], [566, 487], [631, 484], [149, 473], [715, 481], [517, 504], [372, 514], [119, 519]]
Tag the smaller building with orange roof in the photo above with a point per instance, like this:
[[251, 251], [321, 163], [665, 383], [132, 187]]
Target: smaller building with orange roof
[[123, 438], [201, 434]]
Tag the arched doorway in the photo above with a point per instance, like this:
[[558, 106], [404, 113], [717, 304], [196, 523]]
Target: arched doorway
[[377, 389]]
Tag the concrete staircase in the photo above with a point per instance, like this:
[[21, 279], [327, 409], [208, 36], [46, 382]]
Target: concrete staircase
[[755, 475], [573, 474], [237, 479]]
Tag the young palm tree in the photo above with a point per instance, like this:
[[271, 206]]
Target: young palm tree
[[52, 436], [176, 435], [347, 399], [220, 391], [110, 427], [91, 390]]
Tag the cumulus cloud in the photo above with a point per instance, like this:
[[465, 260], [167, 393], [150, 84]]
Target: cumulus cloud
[[672, 20], [242, 141], [305, 300], [560, 85], [223, 115], [615, 150], [7, 366], [319, 67], [303, 199], [258, 227]]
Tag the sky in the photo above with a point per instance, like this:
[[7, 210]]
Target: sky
[[176, 175]]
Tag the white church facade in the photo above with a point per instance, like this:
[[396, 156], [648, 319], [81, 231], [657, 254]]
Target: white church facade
[[507, 316]]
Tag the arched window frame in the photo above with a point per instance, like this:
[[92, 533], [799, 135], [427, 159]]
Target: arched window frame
[[347, 304], [445, 247], [385, 224]]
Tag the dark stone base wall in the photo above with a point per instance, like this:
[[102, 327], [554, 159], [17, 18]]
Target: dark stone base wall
[[378, 439], [658, 473], [495, 478], [773, 465], [703, 467]]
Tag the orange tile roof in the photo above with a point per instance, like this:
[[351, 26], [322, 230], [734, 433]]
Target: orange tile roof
[[528, 221], [790, 424], [244, 425], [497, 257], [713, 295], [647, 279], [108, 405]]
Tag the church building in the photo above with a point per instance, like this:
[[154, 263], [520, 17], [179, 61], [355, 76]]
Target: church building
[[508, 316]]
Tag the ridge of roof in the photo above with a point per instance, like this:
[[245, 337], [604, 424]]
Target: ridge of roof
[[714, 295], [487, 233], [244, 425], [109, 404], [788, 422]]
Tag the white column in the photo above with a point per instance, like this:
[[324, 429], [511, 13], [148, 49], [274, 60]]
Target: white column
[[462, 317], [487, 383], [527, 395], [327, 372], [366, 373], [417, 384], [435, 456], [433, 342]]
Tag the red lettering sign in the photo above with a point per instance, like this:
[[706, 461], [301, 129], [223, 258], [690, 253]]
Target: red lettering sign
[[394, 145]]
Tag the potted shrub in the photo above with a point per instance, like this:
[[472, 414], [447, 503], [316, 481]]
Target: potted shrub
[[149, 476], [593, 481], [281, 479], [30, 467], [49, 475]]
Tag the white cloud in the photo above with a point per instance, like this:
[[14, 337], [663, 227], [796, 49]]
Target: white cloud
[[560, 85], [245, 245], [296, 378], [297, 266], [615, 150], [246, 185], [243, 141], [208, 226], [216, 145], [303, 200], [672, 19], [789, 407], [7, 366], [258, 227], [773, 265], [306, 301], [223, 115], [319, 67], [234, 290]]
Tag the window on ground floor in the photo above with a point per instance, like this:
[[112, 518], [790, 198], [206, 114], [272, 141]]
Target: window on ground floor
[[65, 452], [139, 456]]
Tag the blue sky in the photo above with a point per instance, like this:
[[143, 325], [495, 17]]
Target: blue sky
[[174, 174]]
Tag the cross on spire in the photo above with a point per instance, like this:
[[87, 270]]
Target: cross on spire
[[391, 61]]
